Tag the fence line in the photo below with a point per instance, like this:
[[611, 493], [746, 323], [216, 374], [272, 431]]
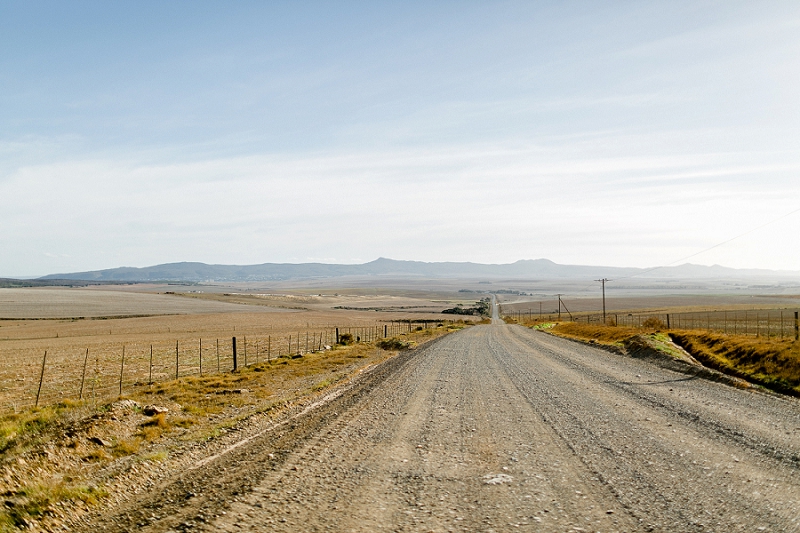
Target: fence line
[[96, 374], [760, 323]]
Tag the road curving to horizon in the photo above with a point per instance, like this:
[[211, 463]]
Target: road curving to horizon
[[501, 428]]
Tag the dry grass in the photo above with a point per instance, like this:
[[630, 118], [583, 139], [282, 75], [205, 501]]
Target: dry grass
[[38, 499], [605, 334], [774, 364]]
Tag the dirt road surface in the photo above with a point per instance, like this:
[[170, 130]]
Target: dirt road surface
[[500, 428]]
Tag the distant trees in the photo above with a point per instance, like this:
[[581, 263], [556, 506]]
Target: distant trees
[[481, 308]]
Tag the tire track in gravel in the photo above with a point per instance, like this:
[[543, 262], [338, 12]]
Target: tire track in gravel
[[674, 472], [498, 428], [199, 494]]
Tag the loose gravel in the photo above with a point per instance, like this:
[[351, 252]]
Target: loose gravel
[[500, 428]]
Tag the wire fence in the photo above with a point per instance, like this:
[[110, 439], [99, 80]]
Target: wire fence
[[108, 370], [760, 323]]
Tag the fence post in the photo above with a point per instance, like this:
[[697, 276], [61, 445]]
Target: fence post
[[244, 349], [150, 379], [201, 357], [269, 348], [41, 378], [796, 327], [235, 361], [337, 335], [176, 360], [83, 376], [668, 321], [121, 369], [217, 356]]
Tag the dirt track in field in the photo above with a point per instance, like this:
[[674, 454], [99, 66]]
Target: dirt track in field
[[499, 428]]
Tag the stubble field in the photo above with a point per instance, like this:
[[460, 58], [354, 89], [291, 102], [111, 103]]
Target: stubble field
[[100, 341]]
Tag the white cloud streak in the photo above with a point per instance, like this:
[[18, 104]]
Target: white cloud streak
[[479, 204]]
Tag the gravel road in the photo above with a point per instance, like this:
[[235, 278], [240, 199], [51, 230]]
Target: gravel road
[[500, 428]]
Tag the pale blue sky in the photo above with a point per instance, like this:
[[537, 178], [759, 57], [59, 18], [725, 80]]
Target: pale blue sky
[[617, 133]]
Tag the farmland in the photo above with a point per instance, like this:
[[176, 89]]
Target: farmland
[[100, 343], [104, 433]]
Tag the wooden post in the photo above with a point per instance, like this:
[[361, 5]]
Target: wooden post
[[235, 361], [217, 355], [41, 379], [256, 351], [796, 327], [201, 357], [176, 360], [83, 376], [269, 348], [121, 369], [337, 335], [244, 349], [150, 379]]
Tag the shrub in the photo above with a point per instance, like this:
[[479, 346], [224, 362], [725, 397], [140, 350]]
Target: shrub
[[393, 344], [346, 339], [654, 323]]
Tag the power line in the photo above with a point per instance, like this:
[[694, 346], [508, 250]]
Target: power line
[[748, 232]]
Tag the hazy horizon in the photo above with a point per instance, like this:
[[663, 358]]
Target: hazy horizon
[[590, 133], [645, 273]]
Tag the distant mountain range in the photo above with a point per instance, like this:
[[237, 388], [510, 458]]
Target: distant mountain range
[[523, 269]]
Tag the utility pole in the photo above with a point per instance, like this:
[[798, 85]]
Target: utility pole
[[603, 281], [560, 303]]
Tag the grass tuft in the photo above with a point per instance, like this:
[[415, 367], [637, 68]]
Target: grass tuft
[[125, 447], [36, 500], [22, 428]]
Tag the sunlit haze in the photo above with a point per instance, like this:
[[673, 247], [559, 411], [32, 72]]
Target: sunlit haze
[[602, 133]]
